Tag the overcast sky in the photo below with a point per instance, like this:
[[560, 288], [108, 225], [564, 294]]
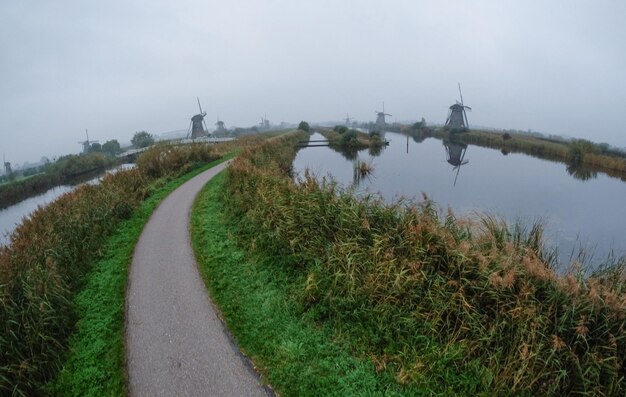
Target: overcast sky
[[117, 67]]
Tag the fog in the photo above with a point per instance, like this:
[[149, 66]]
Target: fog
[[118, 67]]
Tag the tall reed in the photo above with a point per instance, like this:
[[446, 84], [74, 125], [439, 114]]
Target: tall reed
[[49, 256], [581, 153], [421, 292]]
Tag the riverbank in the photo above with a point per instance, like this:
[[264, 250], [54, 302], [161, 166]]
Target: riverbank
[[349, 141], [423, 303], [68, 170], [581, 156], [48, 270]]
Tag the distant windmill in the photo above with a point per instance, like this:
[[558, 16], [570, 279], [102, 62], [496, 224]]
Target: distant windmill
[[265, 123], [455, 153], [87, 144], [7, 166], [197, 126], [347, 119], [380, 118], [220, 126], [457, 118]]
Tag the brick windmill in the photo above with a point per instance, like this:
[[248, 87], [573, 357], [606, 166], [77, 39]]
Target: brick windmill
[[457, 117], [197, 126]]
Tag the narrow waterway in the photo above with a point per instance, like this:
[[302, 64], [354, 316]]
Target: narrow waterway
[[12, 216], [471, 180]]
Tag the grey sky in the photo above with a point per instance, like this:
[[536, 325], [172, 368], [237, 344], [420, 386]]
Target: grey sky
[[117, 67]]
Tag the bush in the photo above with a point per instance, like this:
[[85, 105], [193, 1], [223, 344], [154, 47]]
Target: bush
[[142, 139], [340, 129], [171, 160], [349, 139], [304, 126]]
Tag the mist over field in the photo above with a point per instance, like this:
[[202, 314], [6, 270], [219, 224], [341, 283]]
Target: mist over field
[[119, 67]]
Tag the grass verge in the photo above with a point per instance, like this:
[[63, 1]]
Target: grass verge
[[255, 296], [96, 360], [446, 305]]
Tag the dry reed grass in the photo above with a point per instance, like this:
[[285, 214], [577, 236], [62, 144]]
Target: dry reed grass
[[390, 277]]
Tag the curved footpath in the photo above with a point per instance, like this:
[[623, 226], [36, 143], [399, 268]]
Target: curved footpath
[[175, 343]]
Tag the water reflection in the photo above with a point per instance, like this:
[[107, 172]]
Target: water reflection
[[515, 187], [581, 172], [455, 155]]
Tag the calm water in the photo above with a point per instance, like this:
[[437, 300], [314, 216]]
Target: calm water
[[515, 187], [12, 216]]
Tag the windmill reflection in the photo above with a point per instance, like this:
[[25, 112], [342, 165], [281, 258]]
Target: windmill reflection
[[455, 155]]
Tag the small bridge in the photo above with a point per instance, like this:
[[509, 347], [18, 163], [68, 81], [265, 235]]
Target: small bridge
[[314, 143]]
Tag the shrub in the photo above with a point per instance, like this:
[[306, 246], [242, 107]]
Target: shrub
[[304, 126], [142, 139], [340, 129]]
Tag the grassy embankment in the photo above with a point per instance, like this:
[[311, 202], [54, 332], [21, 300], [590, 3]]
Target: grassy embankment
[[579, 155], [64, 273], [332, 294], [344, 139], [71, 169]]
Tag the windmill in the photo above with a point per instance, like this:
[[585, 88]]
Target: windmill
[[220, 126], [380, 118], [455, 155], [347, 119], [87, 144], [7, 166], [457, 117], [197, 126], [265, 123]]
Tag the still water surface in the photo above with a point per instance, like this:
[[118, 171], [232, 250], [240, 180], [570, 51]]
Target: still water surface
[[12, 216], [575, 213]]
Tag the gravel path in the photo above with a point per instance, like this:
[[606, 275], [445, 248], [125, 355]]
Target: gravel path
[[175, 343]]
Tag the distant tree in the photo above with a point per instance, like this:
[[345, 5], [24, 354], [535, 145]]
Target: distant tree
[[340, 129], [111, 147], [304, 126], [142, 139], [349, 139], [95, 147]]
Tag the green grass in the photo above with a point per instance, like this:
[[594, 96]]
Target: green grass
[[294, 354], [96, 360], [439, 305]]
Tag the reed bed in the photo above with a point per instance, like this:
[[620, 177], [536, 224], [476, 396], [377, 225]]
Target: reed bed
[[473, 306], [71, 169], [50, 255], [581, 153]]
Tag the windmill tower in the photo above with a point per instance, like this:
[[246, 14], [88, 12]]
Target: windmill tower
[[220, 126], [457, 117], [87, 143], [265, 123], [380, 118], [197, 127], [347, 119], [7, 166], [455, 155]]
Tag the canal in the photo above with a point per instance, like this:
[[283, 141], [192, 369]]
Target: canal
[[576, 212], [12, 216]]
